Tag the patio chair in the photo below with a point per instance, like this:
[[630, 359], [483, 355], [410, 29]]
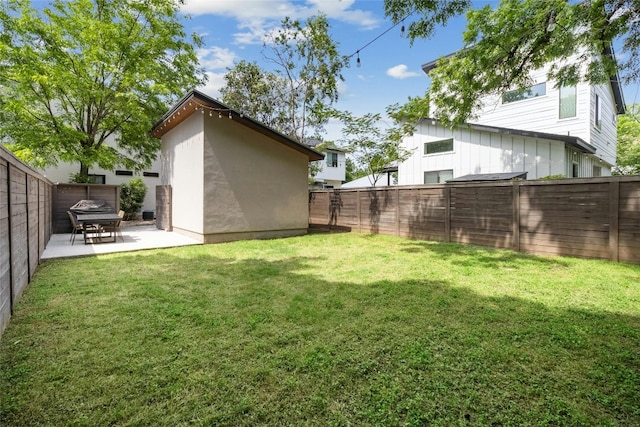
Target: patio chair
[[114, 228], [77, 227]]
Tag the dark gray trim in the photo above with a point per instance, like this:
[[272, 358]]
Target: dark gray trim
[[618, 97], [573, 141]]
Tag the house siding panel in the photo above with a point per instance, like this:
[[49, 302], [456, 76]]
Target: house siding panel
[[480, 152]]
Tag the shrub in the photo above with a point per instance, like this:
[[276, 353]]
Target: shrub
[[551, 177], [131, 197]]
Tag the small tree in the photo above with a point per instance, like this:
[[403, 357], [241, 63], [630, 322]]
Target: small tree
[[371, 148], [131, 197], [629, 142]]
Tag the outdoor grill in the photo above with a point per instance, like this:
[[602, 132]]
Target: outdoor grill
[[91, 206]]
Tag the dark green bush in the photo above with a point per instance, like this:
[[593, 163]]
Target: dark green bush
[[131, 197]]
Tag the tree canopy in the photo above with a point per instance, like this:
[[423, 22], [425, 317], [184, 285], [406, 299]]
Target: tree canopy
[[301, 82], [80, 72], [502, 45], [372, 148], [628, 161], [259, 94]]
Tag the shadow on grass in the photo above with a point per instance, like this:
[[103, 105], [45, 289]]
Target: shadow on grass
[[471, 255], [179, 337]]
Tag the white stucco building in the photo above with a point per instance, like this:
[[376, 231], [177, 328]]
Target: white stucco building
[[230, 176]]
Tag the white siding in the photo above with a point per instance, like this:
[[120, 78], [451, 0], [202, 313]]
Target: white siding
[[540, 114], [605, 138], [63, 171], [332, 175], [476, 152]]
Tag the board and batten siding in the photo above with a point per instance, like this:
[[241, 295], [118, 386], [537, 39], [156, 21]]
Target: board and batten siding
[[476, 152], [605, 138]]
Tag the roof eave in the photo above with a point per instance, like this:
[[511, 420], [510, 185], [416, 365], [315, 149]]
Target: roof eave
[[189, 103]]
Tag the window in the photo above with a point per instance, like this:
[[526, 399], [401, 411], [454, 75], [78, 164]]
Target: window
[[96, 179], [597, 171], [127, 173], [151, 174], [332, 160], [534, 91], [567, 102], [598, 114], [438, 177], [443, 146]]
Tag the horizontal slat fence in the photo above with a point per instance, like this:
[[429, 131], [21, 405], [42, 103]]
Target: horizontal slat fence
[[67, 195], [25, 228], [589, 218]]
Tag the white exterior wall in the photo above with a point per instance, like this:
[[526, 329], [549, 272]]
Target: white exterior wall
[[63, 171], [332, 175], [605, 138], [541, 114], [476, 152], [182, 158]]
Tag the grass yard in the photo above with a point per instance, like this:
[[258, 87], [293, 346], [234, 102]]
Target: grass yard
[[325, 329]]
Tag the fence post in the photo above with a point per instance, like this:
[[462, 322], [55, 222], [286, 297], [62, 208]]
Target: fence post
[[397, 211], [516, 216], [614, 209], [447, 213], [359, 212]]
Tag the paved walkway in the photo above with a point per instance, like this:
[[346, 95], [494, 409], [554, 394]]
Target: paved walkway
[[135, 238]]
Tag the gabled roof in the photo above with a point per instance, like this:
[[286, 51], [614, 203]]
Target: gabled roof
[[573, 141], [613, 80], [195, 101]]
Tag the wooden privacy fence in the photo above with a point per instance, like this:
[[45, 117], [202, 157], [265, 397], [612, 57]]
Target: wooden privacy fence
[[67, 195], [25, 228], [591, 218]]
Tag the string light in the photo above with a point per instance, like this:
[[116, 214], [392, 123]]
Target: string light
[[357, 52]]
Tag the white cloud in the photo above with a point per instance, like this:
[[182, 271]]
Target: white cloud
[[213, 85], [258, 16], [400, 72], [240, 9], [215, 58], [215, 61]]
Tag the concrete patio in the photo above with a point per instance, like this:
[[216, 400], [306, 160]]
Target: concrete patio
[[135, 238]]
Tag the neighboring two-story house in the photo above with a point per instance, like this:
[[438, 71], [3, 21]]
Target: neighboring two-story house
[[332, 170], [541, 130]]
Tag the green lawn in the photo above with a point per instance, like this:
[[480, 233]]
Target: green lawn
[[325, 329]]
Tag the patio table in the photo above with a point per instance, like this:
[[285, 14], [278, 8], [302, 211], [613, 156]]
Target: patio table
[[109, 219]]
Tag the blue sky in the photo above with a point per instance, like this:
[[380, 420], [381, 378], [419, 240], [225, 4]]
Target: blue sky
[[390, 67]]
